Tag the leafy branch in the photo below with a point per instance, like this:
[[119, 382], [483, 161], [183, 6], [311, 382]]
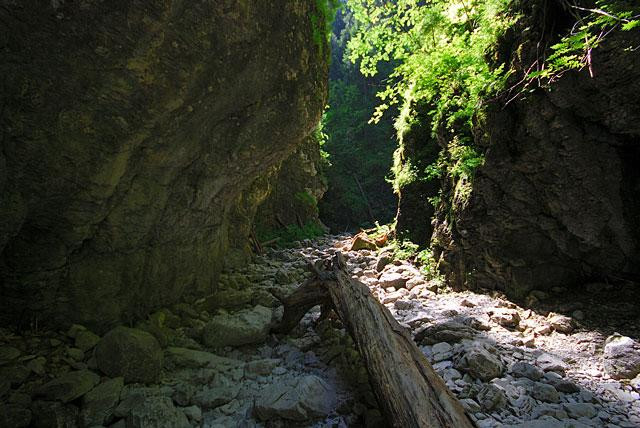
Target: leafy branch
[[575, 50]]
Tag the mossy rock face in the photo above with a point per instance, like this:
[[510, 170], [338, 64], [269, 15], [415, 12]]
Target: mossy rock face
[[417, 151], [296, 188], [556, 201], [138, 138], [130, 353]]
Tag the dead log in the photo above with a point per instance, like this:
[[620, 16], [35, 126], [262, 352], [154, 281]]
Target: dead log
[[269, 242], [409, 391], [253, 238]]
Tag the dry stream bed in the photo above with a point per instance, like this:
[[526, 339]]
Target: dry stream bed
[[199, 365]]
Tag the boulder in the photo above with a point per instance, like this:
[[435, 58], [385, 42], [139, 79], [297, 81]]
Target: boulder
[[383, 260], [69, 386], [480, 363], [37, 365], [448, 331], [546, 409], [193, 413], [521, 369], [561, 323], [441, 351], [8, 354], [221, 391], [282, 277], [305, 398], [545, 392], [86, 340], [261, 367], [242, 328], [48, 414], [392, 279], [506, 317], [157, 412], [14, 416], [192, 359], [133, 354], [75, 354], [491, 398], [134, 396], [99, 403], [551, 363], [621, 357], [566, 386], [579, 410], [393, 297], [362, 242]]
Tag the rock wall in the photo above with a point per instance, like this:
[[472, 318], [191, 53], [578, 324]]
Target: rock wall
[[417, 150], [556, 202], [135, 136], [296, 187]]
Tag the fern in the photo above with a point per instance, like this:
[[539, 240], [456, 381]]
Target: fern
[[592, 27]]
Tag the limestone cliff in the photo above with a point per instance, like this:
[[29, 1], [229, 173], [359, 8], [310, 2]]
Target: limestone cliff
[[134, 138], [296, 187], [556, 201]]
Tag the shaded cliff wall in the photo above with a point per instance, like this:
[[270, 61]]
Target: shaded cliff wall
[[134, 137], [295, 189], [417, 150], [556, 201]]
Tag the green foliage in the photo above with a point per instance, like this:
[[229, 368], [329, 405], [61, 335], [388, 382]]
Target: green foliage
[[307, 199], [321, 137], [404, 250], [321, 21], [573, 51], [428, 264], [288, 236], [440, 47], [403, 172], [381, 230], [423, 259], [463, 160], [360, 153]]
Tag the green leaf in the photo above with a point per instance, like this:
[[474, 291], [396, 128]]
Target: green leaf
[[631, 25]]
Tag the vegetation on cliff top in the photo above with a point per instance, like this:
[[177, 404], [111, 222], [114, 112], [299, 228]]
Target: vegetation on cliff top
[[592, 26], [445, 62], [322, 20]]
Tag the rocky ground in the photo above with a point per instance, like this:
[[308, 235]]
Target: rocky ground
[[552, 364]]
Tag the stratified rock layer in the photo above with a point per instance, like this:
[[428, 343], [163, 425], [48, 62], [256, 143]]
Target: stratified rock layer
[[135, 139]]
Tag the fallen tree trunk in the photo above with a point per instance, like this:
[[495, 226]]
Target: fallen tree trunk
[[409, 391]]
